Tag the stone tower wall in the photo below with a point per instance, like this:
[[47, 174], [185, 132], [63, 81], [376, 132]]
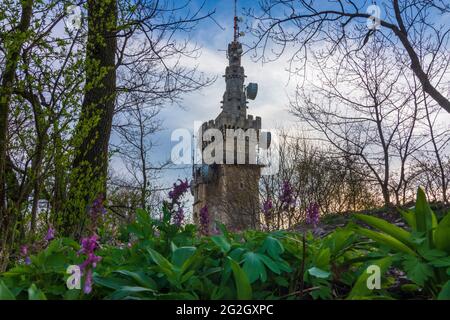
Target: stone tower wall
[[232, 196]]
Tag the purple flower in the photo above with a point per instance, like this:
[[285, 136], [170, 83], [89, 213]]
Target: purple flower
[[204, 220], [175, 196], [97, 209], [178, 191], [24, 254], [179, 216], [267, 210], [88, 247], [313, 214], [24, 250], [50, 234], [286, 197], [88, 282]]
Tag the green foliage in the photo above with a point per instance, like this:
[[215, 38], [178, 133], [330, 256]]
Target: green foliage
[[360, 289], [166, 261], [422, 251], [442, 235], [243, 288]]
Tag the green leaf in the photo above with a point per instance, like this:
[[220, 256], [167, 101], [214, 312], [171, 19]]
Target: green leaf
[[442, 234], [243, 287], [222, 243], [273, 247], [254, 268], [5, 293], [319, 273], [338, 240], [165, 266], [166, 214], [142, 217], [272, 265], [111, 282], [322, 260], [385, 239], [187, 276], [190, 261], [360, 289], [128, 291], [223, 229], [282, 282], [283, 265], [177, 296], [418, 271], [410, 218], [180, 255], [431, 254], [423, 212], [35, 294], [388, 228], [56, 262], [441, 262], [140, 278], [445, 292], [159, 259], [324, 291], [237, 253]]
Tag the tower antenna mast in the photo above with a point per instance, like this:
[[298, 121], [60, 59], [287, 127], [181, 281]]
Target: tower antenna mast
[[236, 35]]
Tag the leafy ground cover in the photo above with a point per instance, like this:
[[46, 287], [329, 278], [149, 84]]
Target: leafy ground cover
[[160, 259]]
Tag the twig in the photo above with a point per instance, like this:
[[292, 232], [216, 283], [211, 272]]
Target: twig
[[301, 292]]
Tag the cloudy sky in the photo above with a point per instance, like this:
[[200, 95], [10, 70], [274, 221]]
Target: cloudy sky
[[270, 104], [273, 80]]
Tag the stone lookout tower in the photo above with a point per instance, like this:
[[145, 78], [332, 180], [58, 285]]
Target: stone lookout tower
[[229, 185]]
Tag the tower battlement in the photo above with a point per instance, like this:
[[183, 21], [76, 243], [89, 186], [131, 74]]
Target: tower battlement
[[230, 121]]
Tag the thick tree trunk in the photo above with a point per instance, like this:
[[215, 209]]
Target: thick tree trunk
[[13, 47], [90, 164]]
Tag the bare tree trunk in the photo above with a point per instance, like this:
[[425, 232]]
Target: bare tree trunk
[[416, 67], [143, 162], [436, 152]]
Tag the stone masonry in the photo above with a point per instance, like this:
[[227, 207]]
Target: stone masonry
[[230, 189]]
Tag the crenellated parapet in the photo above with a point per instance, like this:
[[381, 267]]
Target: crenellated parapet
[[230, 121]]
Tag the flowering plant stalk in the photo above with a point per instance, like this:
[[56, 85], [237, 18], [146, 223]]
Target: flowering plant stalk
[[267, 210], [175, 205], [88, 247], [90, 244], [313, 214], [204, 220]]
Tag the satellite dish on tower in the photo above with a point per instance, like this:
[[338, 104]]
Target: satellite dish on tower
[[251, 90]]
